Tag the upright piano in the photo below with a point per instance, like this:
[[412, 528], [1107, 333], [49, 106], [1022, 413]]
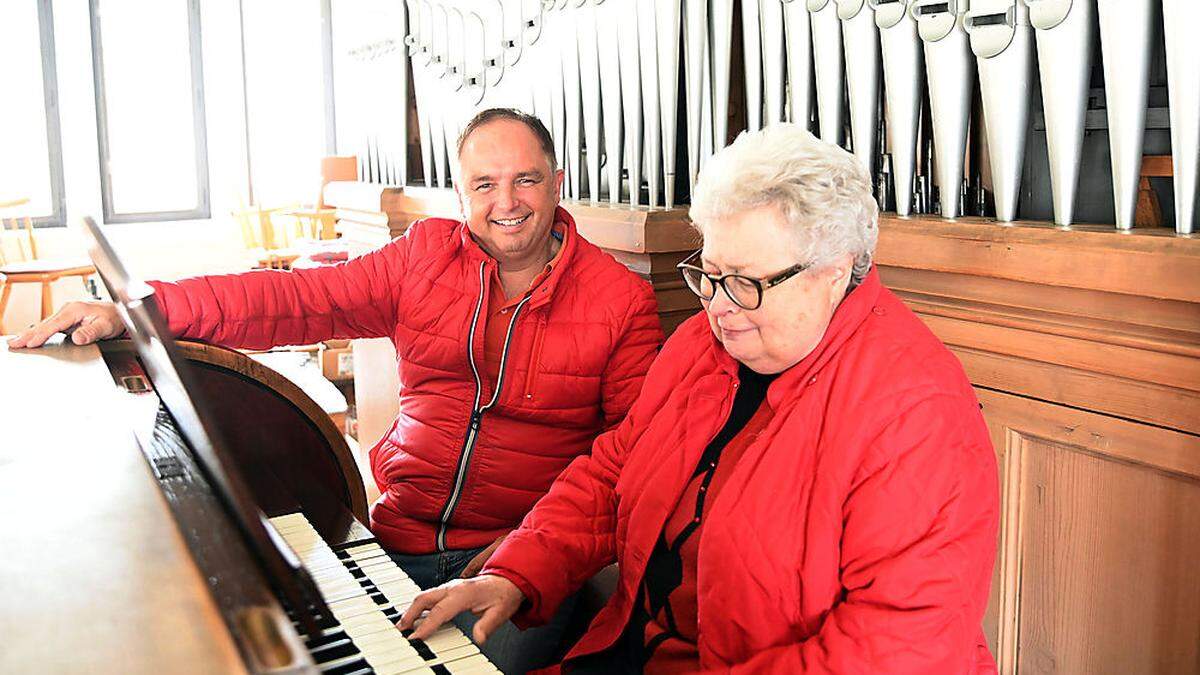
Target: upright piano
[[177, 508]]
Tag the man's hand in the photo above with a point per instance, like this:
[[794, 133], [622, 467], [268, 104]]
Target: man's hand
[[480, 560], [491, 598], [86, 322]]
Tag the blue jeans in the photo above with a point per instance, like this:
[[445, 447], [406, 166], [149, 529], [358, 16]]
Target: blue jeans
[[511, 649]]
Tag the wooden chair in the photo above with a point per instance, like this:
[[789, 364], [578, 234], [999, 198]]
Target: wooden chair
[[1148, 212], [25, 267], [260, 234]]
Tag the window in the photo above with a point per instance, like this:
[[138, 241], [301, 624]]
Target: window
[[288, 117], [150, 110], [30, 141]]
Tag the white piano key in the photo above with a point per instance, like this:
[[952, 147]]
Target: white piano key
[[1126, 30], [394, 655], [950, 70], [752, 61], [1181, 18], [770, 18], [904, 84], [827, 62], [1002, 40], [608, 18], [1063, 32], [720, 30], [667, 26], [589, 87], [798, 35], [472, 665], [631, 94], [695, 32], [860, 37]]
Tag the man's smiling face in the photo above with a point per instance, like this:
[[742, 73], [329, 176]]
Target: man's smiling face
[[509, 191]]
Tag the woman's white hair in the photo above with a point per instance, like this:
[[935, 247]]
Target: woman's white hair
[[823, 192]]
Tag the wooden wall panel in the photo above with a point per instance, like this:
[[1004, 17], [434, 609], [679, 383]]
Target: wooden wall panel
[[1084, 347], [1097, 570]]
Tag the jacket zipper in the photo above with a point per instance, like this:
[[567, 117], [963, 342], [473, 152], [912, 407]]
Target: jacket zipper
[[477, 411]]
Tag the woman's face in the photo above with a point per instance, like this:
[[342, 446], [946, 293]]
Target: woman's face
[[793, 315]]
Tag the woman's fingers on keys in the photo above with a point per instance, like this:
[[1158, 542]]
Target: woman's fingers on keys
[[446, 609], [422, 602]]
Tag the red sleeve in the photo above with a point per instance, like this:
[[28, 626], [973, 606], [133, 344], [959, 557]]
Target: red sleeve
[[265, 308], [917, 552], [638, 344], [570, 534]]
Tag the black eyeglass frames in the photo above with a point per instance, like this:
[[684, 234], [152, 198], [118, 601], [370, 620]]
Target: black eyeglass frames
[[746, 292]]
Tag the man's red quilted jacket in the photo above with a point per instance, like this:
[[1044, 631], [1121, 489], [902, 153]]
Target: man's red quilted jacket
[[462, 463], [856, 534]]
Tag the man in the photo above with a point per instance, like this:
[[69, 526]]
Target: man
[[518, 342]]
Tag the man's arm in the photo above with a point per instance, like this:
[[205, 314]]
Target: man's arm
[[260, 309], [266, 308], [917, 553]]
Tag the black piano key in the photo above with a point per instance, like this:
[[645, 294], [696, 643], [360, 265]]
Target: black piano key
[[324, 639], [379, 598], [423, 649], [392, 614], [334, 651], [440, 669], [356, 667]]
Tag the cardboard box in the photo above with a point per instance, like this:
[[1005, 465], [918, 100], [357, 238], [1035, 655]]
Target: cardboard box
[[337, 363]]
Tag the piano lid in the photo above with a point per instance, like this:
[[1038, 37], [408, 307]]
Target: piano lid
[[156, 349]]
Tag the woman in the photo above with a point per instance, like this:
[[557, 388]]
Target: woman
[[805, 484]]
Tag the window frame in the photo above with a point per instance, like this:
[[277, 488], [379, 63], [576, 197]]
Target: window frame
[[54, 147], [203, 209]]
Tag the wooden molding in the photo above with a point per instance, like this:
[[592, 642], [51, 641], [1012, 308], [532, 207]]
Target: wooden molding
[[1097, 320], [1153, 263]]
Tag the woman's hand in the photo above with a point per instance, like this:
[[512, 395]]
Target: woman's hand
[[491, 598]]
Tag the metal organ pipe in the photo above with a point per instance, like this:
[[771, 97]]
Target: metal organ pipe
[[951, 73], [1002, 40]]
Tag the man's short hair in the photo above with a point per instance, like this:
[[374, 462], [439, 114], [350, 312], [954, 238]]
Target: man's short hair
[[531, 121]]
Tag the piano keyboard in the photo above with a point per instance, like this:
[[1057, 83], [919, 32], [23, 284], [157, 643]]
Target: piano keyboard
[[367, 593]]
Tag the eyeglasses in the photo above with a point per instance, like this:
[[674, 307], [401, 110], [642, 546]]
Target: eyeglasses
[[746, 292]]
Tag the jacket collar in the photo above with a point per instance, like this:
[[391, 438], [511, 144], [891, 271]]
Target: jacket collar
[[854, 309], [545, 290]]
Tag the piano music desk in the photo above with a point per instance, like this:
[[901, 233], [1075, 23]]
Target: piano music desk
[[94, 576]]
